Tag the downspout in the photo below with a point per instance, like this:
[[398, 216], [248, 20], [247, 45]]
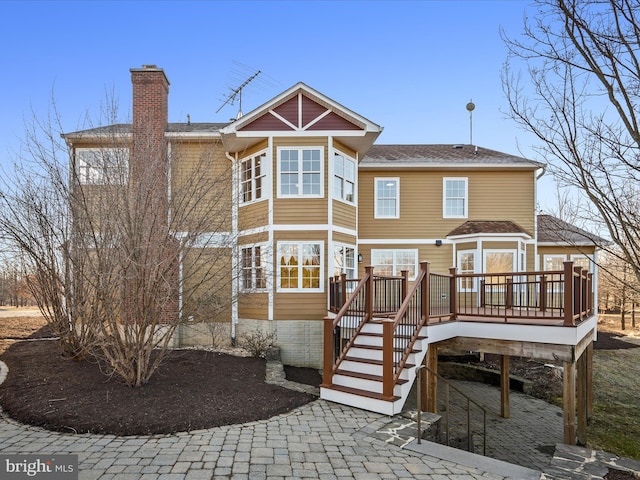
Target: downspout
[[180, 244], [234, 248]]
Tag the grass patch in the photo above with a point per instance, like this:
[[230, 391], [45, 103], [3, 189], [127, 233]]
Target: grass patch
[[615, 424]]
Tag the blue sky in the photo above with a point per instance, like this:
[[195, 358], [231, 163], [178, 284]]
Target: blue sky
[[409, 66]]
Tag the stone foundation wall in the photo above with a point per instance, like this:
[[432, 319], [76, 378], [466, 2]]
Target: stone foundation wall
[[300, 341]]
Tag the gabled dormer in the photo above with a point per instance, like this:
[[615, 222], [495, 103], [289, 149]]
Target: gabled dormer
[[301, 111]]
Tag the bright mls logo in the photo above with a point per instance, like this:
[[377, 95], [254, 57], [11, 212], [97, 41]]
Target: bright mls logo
[[55, 467]]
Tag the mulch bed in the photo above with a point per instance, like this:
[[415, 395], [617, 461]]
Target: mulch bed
[[192, 389], [612, 341]]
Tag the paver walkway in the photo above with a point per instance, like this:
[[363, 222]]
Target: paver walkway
[[321, 440]]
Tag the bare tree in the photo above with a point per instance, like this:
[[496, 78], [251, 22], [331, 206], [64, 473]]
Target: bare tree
[[123, 251], [619, 291], [581, 101]]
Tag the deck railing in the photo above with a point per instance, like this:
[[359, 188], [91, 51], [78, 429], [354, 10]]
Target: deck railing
[[562, 297], [565, 295]]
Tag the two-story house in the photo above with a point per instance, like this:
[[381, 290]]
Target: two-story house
[[311, 198]]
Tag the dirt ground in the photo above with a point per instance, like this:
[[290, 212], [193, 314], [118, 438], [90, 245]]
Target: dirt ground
[[193, 389]]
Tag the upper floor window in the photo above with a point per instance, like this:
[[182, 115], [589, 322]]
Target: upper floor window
[[102, 166], [387, 198], [252, 173], [300, 171], [300, 266], [253, 273], [344, 178], [455, 198], [393, 262]]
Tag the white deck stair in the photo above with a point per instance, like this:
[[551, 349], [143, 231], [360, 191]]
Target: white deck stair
[[358, 380]]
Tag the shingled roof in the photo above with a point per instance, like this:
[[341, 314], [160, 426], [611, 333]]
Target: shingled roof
[[441, 155], [556, 231], [125, 128], [474, 227]]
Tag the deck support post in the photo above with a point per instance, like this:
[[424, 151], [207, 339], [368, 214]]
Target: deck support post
[[589, 359], [569, 402], [431, 390], [504, 386], [582, 399]]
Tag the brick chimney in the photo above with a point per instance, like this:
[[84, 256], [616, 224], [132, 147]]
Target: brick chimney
[[149, 179], [150, 118]]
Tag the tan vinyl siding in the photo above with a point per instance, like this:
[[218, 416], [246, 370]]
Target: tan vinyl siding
[[253, 215], [300, 306], [253, 238], [344, 238], [466, 246], [344, 215], [493, 195], [344, 149], [503, 245], [253, 305], [207, 300], [201, 180], [503, 196], [300, 211], [252, 150]]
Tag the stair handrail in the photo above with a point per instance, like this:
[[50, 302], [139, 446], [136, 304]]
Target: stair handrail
[[330, 365], [470, 400], [389, 376]]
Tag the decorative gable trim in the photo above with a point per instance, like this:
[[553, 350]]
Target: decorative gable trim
[[300, 113]]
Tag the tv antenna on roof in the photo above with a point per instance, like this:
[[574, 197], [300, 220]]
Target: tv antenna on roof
[[237, 93], [471, 107]]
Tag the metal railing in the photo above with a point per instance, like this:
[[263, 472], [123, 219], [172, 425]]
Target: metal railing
[[565, 295], [447, 410]]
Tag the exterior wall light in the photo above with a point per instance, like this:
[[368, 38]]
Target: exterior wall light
[[438, 243]]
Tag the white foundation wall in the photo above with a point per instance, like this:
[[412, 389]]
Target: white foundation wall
[[300, 341]]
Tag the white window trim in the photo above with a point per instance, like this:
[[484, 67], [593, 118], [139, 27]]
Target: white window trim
[[84, 180], [394, 264], [573, 258], [322, 170], [264, 170], [557, 288], [277, 266], [355, 180], [475, 268], [375, 197], [263, 264], [512, 251], [466, 197], [355, 256], [552, 255]]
